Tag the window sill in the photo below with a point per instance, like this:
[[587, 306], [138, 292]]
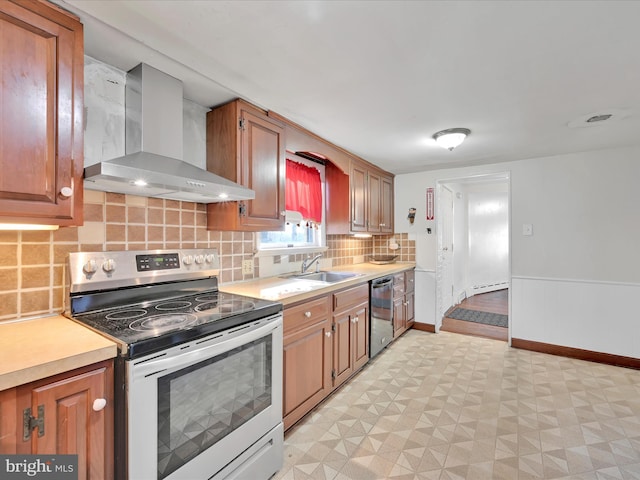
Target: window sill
[[271, 252]]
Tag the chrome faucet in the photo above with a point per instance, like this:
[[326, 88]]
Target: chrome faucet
[[306, 263]]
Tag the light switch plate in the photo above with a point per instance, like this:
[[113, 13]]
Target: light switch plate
[[527, 229]]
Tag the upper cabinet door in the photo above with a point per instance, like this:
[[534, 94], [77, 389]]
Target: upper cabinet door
[[358, 187], [263, 170], [374, 219], [386, 204], [247, 147], [41, 131]]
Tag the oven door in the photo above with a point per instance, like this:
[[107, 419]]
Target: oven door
[[198, 407]]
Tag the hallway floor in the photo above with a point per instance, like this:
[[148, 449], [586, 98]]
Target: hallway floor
[[449, 406], [492, 302]]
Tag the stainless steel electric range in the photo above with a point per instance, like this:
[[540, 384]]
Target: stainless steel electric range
[[199, 371]]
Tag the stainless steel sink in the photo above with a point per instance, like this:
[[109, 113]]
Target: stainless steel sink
[[327, 277]]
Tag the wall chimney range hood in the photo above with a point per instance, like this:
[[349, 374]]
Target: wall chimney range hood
[[153, 165]]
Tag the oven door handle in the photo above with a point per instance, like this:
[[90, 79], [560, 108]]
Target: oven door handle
[[168, 363]]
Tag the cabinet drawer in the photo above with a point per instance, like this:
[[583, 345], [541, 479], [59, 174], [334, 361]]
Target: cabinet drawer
[[350, 296], [298, 316], [398, 285]]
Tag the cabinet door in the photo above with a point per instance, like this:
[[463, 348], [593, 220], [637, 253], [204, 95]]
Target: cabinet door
[[409, 307], [71, 426], [386, 204], [398, 316], [8, 421], [409, 281], [41, 136], [342, 347], [307, 369], [263, 170], [358, 188], [374, 220], [360, 336]]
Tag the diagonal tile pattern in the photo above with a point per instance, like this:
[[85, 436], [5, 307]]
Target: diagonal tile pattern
[[449, 406]]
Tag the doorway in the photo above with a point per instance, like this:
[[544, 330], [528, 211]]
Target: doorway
[[473, 254]]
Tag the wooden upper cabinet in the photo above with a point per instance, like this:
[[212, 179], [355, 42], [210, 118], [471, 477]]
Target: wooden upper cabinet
[[247, 147], [386, 204], [374, 217], [41, 114], [358, 194], [367, 191]]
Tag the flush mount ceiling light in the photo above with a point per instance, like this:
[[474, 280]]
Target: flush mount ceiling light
[[451, 137]]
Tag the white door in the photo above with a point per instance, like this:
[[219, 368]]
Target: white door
[[445, 253]]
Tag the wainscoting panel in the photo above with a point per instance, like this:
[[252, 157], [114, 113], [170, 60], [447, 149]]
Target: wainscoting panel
[[589, 315]]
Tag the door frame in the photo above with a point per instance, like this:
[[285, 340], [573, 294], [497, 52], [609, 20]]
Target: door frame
[[440, 184]]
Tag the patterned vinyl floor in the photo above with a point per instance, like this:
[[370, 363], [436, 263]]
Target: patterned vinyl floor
[[449, 406]]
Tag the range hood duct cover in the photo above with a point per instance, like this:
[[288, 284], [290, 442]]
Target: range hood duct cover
[[153, 138]]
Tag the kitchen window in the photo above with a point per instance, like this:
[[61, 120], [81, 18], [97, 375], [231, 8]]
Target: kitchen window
[[304, 198]]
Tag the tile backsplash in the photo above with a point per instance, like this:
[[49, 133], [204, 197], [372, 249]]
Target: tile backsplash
[[32, 262]]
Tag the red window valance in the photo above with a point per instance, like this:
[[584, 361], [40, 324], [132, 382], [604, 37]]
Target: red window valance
[[304, 191]]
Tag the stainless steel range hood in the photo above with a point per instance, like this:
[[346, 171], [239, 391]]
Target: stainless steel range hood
[[153, 165]]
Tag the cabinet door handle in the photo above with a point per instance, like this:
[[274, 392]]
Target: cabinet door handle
[[328, 334], [66, 192], [99, 404], [307, 314]]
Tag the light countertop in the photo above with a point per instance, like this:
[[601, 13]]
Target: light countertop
[[41, 347], [38, 348], [289, 291]]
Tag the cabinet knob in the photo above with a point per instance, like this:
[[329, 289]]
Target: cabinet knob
[[283, 213], [354, 320], [328, 334], [307, 314], [66, 192], [99, 404]]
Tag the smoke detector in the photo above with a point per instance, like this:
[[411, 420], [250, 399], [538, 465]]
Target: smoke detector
[[599, 118]]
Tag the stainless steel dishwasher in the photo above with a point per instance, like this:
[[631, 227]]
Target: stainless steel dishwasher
[[381, 331]]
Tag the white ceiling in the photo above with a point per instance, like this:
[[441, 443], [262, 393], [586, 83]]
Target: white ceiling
[[379, 78]]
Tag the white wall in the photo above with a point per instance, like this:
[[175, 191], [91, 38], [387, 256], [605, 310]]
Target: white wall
[[586, 233]]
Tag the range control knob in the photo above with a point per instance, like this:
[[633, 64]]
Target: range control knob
[[90, 267], [209, 258], [187, 259], [109, 265], [199, 259]]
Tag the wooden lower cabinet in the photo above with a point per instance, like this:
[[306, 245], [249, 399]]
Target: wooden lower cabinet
[[351, 332], [65, 418], [403, 302], [307, 358], [326, 340]]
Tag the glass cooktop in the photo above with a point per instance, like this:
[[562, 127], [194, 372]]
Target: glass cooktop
[[150, 326]]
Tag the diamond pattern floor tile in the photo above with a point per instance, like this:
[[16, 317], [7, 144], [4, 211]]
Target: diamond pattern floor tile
[[449, 406]]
